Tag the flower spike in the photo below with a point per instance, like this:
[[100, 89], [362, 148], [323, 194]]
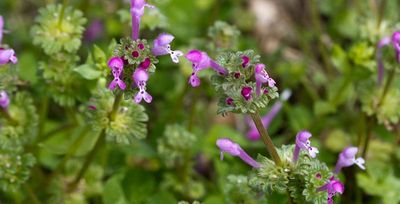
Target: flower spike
[[303, 143], [347, 158], [116, 64], [262, 77], [162, 46], [228, 146], [200, 61], [333, 187], [4, 100], [140, 77]]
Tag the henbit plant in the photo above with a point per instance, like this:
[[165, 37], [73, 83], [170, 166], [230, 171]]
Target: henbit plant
[[239, 83]]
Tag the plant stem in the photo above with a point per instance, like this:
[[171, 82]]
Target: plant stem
[[89, 159], [381, 11], [388, 83], [7, 116], [315, 19], [60, 18], [100, 141], [266, 138], [31, 194], [42, 115], [72, 150]]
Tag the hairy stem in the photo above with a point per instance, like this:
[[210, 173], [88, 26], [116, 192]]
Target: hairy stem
[[388, 83], [7, 116], [266, 138], [99, 143]]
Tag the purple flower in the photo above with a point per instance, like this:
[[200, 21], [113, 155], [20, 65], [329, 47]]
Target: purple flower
[[262, 77], [145, 64], [228, 146], [200, 61], [245, 61], [303, 143], [137, 11], [347, 158], [246, 92], [116, 65], [4, 100], [333, 187], [253, 133], [7, 56], [162, 46], [395, 40], [140, 77]]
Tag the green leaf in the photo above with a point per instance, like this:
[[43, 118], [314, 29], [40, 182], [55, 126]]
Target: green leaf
[[113, 191], [99, 54], [88, 71]]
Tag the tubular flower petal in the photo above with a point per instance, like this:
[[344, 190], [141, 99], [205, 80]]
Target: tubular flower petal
[[162, 46], [137, 11], [228, 146], [140, 76], [200, 60], [4, 100], [333, 187], [303, 143], [347, 158], [116, 65], [262, 77]]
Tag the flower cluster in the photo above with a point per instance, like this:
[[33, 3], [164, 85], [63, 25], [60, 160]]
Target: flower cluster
[[6, 55], [239, 80], [134, 59]]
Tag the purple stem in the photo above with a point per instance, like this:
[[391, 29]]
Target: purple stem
[[218, 67], [250, 161], [296, 154]]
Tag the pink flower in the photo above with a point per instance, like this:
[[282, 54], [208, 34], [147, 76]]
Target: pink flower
[[303, 143], [246, 92], [333, 187], [140, 77], [200, 60], [4, 100], [161, 46], [116, 65], [262, 77], [347, 158]]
